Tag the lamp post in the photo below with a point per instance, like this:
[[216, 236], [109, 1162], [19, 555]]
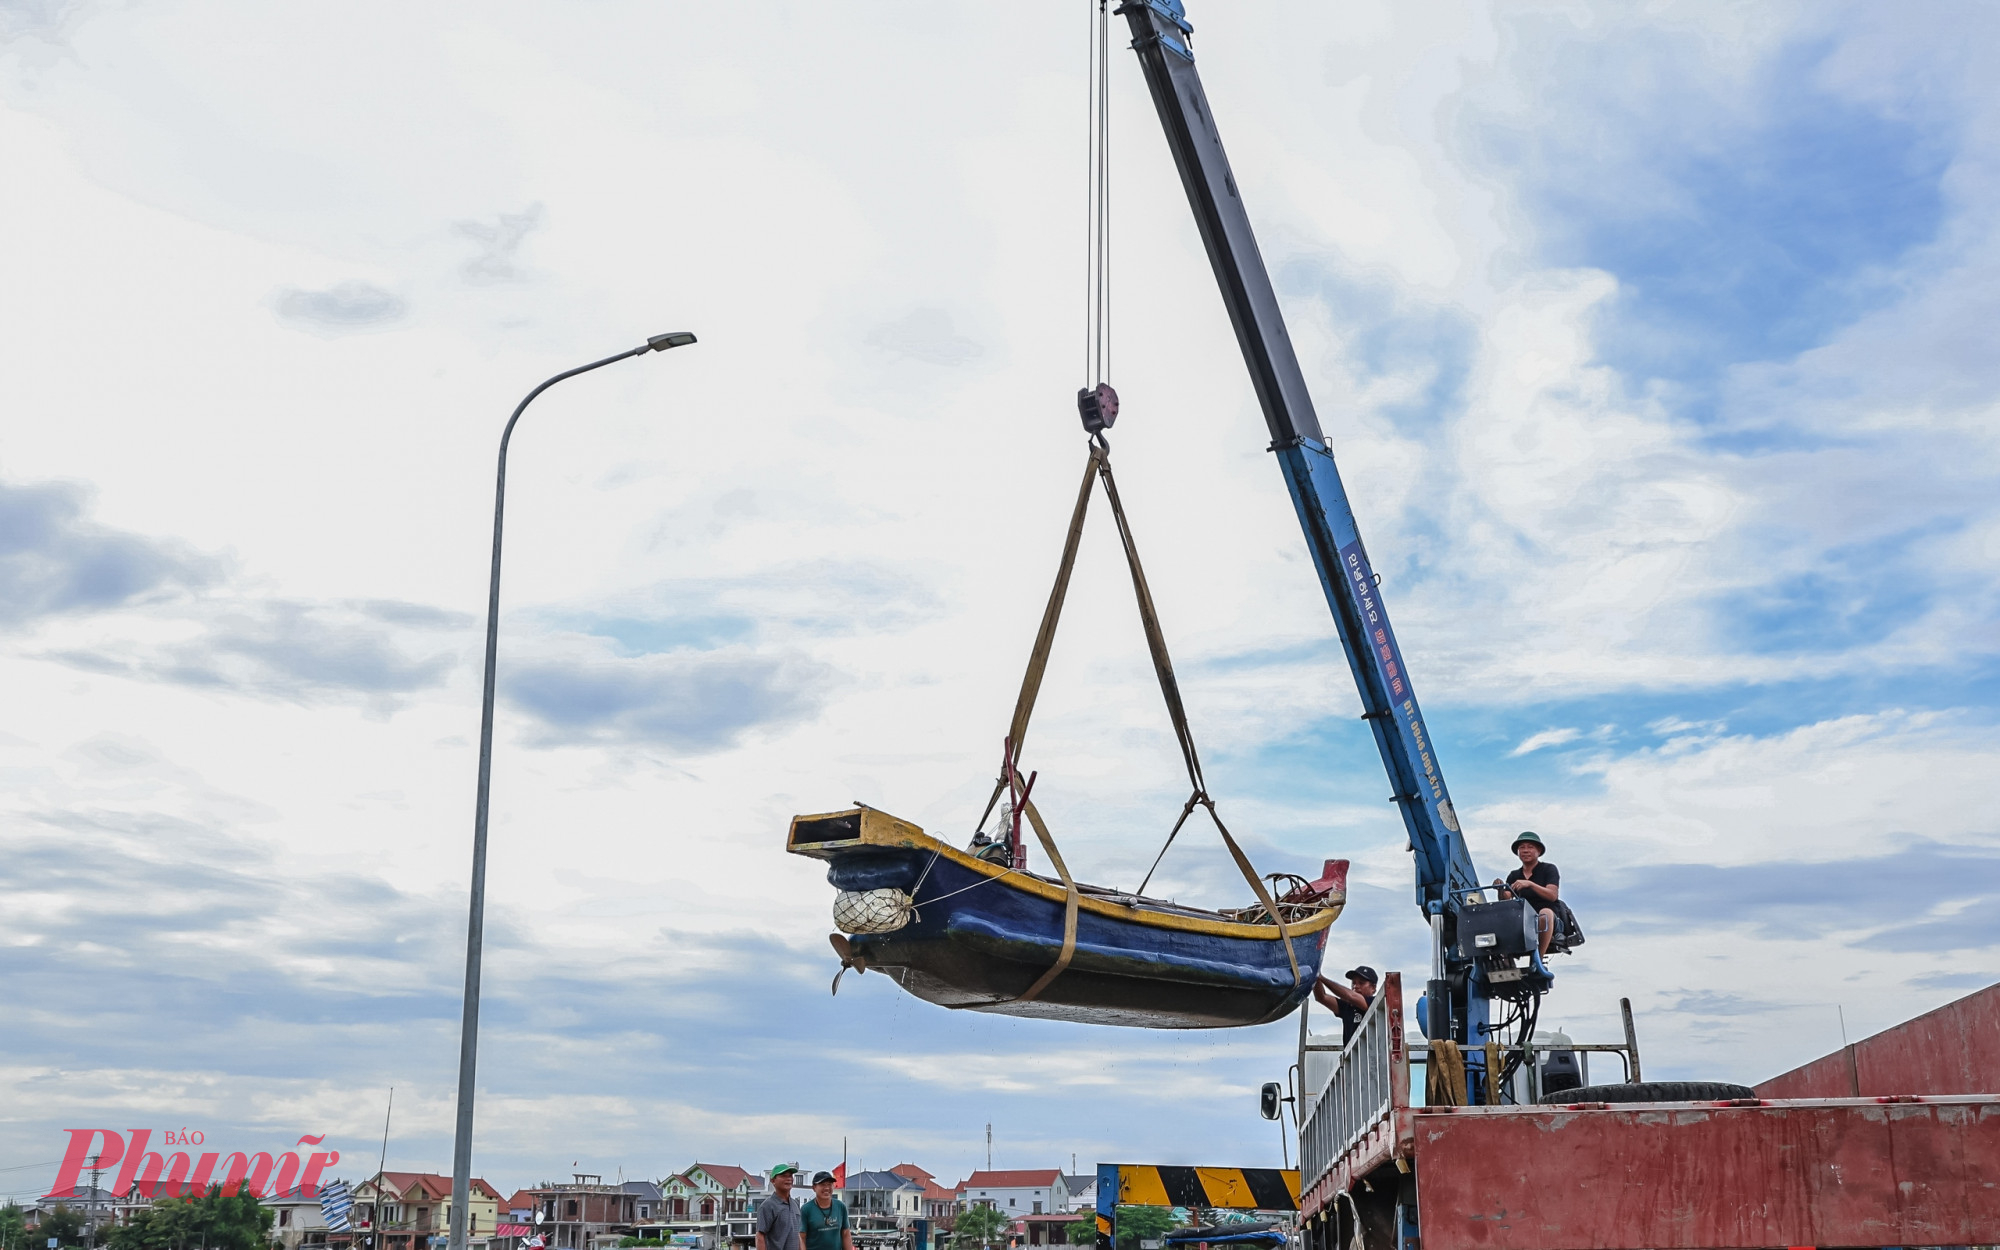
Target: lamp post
[[468, 1037]]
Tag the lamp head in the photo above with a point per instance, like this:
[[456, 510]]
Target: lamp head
[[661, 342]]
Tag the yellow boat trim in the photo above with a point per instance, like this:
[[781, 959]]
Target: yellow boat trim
[[881, 829]]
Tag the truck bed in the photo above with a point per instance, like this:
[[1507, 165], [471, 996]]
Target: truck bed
[[1819, 1172], [1898, 1169]]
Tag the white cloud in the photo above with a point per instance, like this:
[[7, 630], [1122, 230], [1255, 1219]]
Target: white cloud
[[1546, 738]]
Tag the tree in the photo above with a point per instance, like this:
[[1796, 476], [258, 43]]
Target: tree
[[981, 1225], [210, 1221], [1136, 1224], [63, 1224], [13, 1227], [1084, 1231]]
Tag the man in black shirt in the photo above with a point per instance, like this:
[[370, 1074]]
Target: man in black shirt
[[1537, 881], [1348, 1001]]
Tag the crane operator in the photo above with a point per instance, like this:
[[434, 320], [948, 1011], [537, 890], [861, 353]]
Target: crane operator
[[1538, 882]]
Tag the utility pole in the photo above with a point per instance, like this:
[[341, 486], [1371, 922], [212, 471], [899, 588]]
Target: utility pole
[[90, 1233], [375, 1224], [989, 1145]]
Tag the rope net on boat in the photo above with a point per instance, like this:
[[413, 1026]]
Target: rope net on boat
[[871, 911]]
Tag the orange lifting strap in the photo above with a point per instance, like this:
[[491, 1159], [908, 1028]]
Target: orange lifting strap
[[1098, 468]]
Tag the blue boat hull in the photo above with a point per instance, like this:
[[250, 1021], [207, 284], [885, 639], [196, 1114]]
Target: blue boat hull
[[979, 938]]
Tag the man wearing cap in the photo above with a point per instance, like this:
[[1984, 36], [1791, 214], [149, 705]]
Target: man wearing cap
[[1536, 881], [825, 1217], [1348, 1001], [777, 1219]]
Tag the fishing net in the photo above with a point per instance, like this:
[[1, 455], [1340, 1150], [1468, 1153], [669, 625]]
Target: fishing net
[[871, 911]]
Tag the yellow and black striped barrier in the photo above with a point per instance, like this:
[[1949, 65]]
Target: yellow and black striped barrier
[[1225, 1189], [1222, 1189]]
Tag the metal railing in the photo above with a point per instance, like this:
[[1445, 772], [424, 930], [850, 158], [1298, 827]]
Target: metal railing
[[1360, 1092]]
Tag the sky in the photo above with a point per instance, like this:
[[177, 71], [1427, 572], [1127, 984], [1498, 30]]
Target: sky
[[1651, 340]]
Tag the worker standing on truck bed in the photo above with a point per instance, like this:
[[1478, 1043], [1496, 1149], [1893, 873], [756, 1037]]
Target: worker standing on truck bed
[[1349, 1001], [1538, 882]]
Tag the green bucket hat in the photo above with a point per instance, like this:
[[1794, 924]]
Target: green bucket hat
[[1530, 836]]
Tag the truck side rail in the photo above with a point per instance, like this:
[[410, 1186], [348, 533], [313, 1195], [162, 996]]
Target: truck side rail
[[1360, 1117]]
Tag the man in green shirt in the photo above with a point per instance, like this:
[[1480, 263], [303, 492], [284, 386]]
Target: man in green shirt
[[824, 1219]]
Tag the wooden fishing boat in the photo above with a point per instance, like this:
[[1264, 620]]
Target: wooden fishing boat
[[963, 932]]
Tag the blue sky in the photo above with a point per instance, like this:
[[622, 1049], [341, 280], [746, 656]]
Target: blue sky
[[1652, 345]]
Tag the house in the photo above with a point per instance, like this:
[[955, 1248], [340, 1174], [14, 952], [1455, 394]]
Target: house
[[296, 1221], [98, 1207], [93, 1205], [1082, 1191], [940, 1204], [516, 1221], [717, 1201], [703, 1191], [645, 1201], [405, 1209], [883, 1203], [581, 1215], [1016, 1193], [649, 1207]]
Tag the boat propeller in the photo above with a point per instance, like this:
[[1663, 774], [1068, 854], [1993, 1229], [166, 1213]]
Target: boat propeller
[[848, 959]]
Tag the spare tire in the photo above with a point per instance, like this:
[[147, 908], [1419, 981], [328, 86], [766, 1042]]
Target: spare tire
[[1653, 1091]]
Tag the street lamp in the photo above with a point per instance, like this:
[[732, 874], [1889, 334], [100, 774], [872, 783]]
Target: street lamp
[[468, 1036]]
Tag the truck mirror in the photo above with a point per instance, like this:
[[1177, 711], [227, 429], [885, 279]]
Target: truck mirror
[[1270, 1099]]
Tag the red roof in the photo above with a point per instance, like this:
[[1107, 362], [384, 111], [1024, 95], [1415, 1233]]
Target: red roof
[[1010, 1180], [933, 1192], [431, 1185], [523, 1200], [726, 1176]]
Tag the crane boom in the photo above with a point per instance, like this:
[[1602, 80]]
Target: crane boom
[[1444, 870]]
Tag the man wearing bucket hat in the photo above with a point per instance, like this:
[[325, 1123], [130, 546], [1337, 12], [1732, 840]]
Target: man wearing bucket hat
[[1538, 882]]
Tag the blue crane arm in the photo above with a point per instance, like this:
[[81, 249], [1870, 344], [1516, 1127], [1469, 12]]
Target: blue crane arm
[[1160, 36]]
